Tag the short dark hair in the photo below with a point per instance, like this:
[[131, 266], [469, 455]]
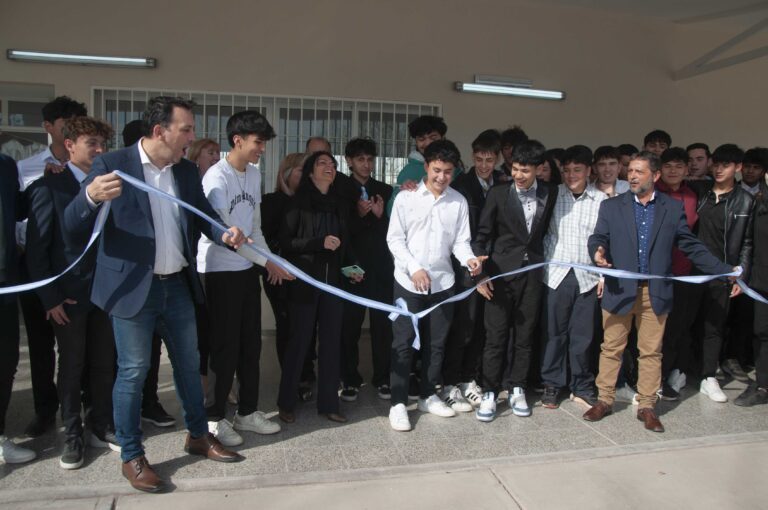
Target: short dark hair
[[160, 111], [513, 136], [309, 165], [626, 149], [132, 132], [248, 122], [529, 152], [699, 145], [657, 135], [425, 124], [360, 147], [579, 154], [728, 153], [674, 154], [75, 127], [652, 159], [442, 150], [555, 176], [487, 141], [607, 152], [556, 153], [757, 156], [63, 107]]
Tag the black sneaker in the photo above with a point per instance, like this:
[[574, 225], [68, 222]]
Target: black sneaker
[[733, 368], [40, 425], [549, 398], [156, 415], [384, 392], [104, 439], [585, 399], [414, 388], [667, 392], [752, 396], [72, 454], [349, 393]]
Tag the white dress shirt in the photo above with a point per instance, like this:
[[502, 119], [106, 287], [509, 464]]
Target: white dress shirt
[[752, 190], [529, 202], [79, 174], [424, 231], [169, 248]]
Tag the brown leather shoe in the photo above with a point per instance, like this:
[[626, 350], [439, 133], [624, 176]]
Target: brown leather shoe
[[598, 411], [142, 476], [210, 447], [338, 418], [286, 416], [649, 418]]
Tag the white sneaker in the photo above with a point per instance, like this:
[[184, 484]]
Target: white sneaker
[[711, 388], [435, 406], [255, 422], [676, 380], [518, 403], [487, 410], [223, 431], [10, 453], [472, 393], [626, 394], [398, 418], [453, 398]]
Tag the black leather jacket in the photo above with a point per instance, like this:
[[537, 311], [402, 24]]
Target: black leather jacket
[[738, 224]]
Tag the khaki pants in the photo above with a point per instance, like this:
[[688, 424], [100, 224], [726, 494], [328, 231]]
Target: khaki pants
[[650, 331]]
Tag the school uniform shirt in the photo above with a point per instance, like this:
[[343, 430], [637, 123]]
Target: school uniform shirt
[[236, 197]]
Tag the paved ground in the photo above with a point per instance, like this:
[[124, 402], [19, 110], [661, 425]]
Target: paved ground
[[510, 459]]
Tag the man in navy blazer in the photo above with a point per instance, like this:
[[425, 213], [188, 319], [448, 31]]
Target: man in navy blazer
[[145, 275], [636, 231]]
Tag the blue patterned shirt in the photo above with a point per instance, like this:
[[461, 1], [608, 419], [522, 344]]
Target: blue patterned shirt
[[644, 224]]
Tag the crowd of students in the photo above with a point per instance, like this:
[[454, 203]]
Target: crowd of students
[[163, 275]]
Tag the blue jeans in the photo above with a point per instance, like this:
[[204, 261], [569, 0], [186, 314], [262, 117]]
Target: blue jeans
[[169, 308]]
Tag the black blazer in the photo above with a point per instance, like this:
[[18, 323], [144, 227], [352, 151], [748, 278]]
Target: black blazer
[[51, 249], [759, 277], [501, 231], [369, 234], [14, 210]]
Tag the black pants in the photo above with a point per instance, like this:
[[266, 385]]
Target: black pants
[[569, 332], [86, 357], [741, 322], [326, 311], [380, 329], [9, 352], [715, 301], [464, 345], [433, 331], [510, 322], [761, 344], [234, 307], [676, 345]]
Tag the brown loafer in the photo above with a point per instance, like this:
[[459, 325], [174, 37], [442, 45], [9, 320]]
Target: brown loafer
[[210, 447], [598, 411], [286, 416], [142, 477], [650, 420], [338, 418]]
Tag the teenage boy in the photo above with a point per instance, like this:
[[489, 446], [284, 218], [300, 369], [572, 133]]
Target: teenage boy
[[511, 231], [606, 165], [510, 138], [464, 347], [753, 170], [626, 150], [657, 141], [699, 161], [427, 226], [571, 294], [368, 229], [83, 332], [676, 343], [42, 357], [232, 288]]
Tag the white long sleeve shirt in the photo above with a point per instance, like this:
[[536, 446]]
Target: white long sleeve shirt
[[424, 231]]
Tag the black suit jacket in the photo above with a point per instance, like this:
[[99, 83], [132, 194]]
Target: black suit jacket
[[369, 235], [501, 231], [759, 277], [13, 211], [51, 248]]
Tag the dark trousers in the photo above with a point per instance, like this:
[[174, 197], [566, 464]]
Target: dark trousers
[[510, 322], [433, 331], [86, 357], [676, 346], [9, 352], [715, 301], [380, 330], [326, 311], [234, 307], [761, 344], [741, 325], [569, 333], [464, 345]]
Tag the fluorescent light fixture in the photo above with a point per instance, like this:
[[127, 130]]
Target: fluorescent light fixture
[[69, 58], [505, 81], [506, 90]]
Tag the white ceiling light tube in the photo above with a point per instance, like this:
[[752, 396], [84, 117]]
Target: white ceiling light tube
[[505, 90], [70, 58]]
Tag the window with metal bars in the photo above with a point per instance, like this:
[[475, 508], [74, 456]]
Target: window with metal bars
[[295, 120]]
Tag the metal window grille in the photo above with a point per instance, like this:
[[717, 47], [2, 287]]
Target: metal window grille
[[295, 119]]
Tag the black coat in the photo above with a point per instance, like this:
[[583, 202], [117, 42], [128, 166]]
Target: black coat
[[759, 277], [14, 210], [369, 235]]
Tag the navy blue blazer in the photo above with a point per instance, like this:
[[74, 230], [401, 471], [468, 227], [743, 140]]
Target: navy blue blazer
[[126, 253], [13, 210], [616, 232]]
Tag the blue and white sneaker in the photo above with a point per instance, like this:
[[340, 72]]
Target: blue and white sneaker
[[487, 410], [518, 403]]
